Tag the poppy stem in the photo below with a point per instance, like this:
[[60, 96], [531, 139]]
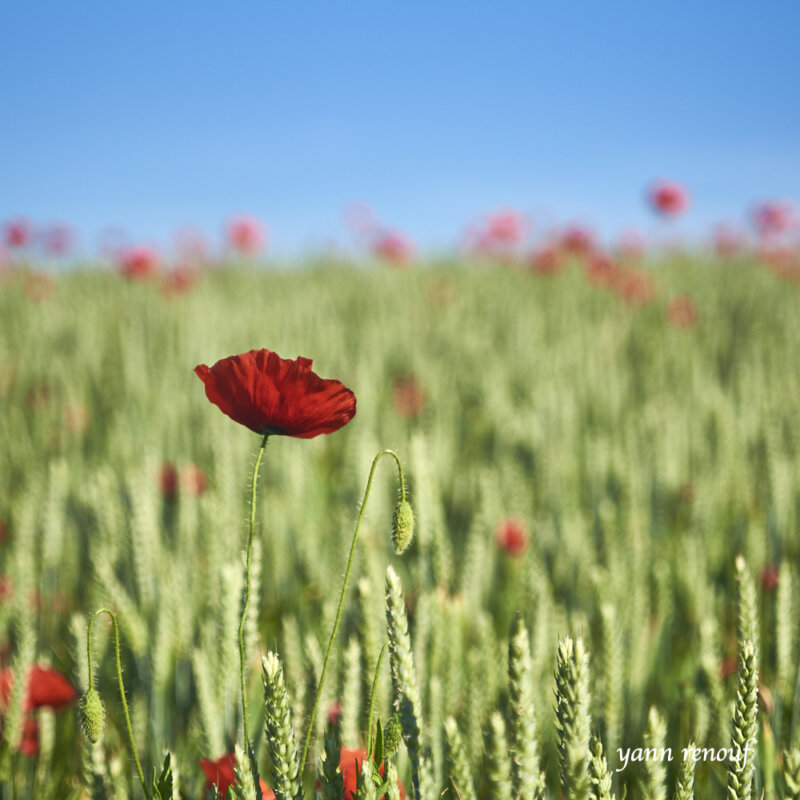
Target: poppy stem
[[120, 683], [246, 603], [339, 610], [372, 698]]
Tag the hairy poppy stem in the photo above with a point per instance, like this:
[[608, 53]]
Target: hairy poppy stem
[[372, 694], [339, 610], [246, 603], [120, 683]]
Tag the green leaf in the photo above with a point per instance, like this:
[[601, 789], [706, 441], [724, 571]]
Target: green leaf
[[162, 785], [377, 753]]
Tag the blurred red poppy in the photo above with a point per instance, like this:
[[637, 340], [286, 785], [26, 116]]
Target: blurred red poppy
[[246, 235], [775, 217], [682, 311], [667, 198], [220, 773], [577, 240], [769, 576], [47, 688], [57, 239], [29, 743], [274, 395], [168, 480], [17, 233], [602, 270], [138, 263], [512, 536], [394, 247], [635, 288], [546, 261]]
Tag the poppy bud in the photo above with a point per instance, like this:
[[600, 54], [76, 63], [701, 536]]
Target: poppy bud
[[92, 715], [402, 527], [392, 736]]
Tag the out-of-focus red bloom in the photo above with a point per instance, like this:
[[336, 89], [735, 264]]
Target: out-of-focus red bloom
[[394, 247], [635, 288], [29, 743], [768, 576], [512, 536], [57, 239], [39, 286], [577, 241], [546, 261], [682, 311], [193, 479], [408, 397], [273, 395], [138, 263], [498, 233], [47, 688], [350, 762], [602, 270], [168, 480], [246, 235], [781, 261], [17, 233], [775, 217], [179, 281], [220, 773], [6, 588], [668, 198], [3, 531]]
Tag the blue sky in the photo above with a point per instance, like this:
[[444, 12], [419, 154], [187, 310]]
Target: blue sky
[[153, 116]]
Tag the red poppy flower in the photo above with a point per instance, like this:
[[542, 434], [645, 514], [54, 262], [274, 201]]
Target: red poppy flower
[[577, 240], [769, 577], [168, 478], [47, 688], [274, 395], [775, 217], [246, 235], [668, 198], [17, 233], [29, 743], [408, 396], [546, 261], [220, 773], [512, 536], [393, 247], [138, 263]]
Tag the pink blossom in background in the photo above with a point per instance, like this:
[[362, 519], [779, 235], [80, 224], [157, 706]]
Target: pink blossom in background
[[682, 311], [179, 281], [546, 261], [246, 235], [577, 240], [193, 480], [498, 233], [17, 233], [138, 263], [775, 217], [601, 270], [394, 247], [57, 239], [667, 198]]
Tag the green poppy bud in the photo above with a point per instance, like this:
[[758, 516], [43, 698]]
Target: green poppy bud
[[402, 527], [92, 715], [392, 736]]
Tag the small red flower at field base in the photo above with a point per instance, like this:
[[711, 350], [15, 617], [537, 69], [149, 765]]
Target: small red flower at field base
[[168, 478], [512, 536], [194, 480], [768, 577], [408, 396], [220, 773], [246, 235], [668, 198], [29, 743], [274, 395]]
